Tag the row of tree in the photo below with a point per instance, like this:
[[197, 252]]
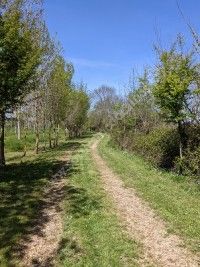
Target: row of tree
[[159, 116], [36, 88]]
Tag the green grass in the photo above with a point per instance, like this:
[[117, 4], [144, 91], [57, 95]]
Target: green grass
[[12, 144], [176, 198], [92, 233], [93, 236]]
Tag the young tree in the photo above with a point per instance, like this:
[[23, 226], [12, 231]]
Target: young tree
[[57, 95], [77, 109], [20, 54], [141, 104], [174, 78]]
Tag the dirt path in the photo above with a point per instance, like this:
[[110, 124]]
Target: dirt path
[[141, 222], [42, 244]]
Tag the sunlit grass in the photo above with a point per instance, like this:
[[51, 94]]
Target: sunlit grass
[[176, 198], [93, 235]]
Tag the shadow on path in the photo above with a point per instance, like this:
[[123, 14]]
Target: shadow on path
[[24, 201]]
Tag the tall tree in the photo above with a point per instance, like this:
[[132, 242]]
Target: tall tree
[[20, 54], [174, 77], [58, 90], [77, 109]]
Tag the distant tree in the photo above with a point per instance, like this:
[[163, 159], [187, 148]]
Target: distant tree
[[77, 109], [141, 105], [105, 100]]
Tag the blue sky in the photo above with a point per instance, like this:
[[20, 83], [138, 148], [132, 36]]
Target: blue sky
[[106, 39]]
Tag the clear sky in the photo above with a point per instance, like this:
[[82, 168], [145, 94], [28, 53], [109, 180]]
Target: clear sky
[[105, 39]]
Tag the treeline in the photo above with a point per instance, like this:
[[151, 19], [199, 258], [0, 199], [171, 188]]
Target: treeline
[[159, 116], [37, 93]]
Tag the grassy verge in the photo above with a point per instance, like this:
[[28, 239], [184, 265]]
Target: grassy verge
[[176, 198], [92, 236]]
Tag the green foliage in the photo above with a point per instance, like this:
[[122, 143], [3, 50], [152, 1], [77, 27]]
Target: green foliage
[[20, 52], [77, 107], [160, 146], [190, 162], [14, 145], [174, 76], [58, 91]]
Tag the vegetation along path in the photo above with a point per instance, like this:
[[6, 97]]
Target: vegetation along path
[[142, 223]]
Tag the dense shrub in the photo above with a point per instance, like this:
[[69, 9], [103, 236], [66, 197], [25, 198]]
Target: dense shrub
[[160, 146], [12, 144], [190, 163]]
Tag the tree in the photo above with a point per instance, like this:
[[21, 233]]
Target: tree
[[77, 109], [57, 95], [173, 81], [105, 100], [141, 104], [20, 54]]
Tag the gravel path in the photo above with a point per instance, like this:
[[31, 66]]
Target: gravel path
[[141, 222]]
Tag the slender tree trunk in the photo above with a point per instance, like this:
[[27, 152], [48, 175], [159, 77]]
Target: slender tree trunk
[[54, 137], [182, 141], [25, 144], [37, 138], [66, 133], [2, 139], [44, 136], [44, 133], [50, 143], [57, 135], [18, 126], [37, 142]]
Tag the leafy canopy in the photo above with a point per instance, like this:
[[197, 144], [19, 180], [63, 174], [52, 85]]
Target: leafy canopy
[[20, 51], [174, 78]]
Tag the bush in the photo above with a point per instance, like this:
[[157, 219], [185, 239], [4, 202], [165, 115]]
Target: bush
[[190, 163], [160, 146], [12, 144]]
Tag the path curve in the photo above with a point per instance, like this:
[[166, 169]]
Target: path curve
[[141, 222]]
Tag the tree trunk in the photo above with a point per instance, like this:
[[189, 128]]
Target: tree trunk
[[182, 141], [54, 137], [44, 137], [18, 126], [37, 142], [25, 145], [50, 143], [57, 135], [37, 136], [2, 137]]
